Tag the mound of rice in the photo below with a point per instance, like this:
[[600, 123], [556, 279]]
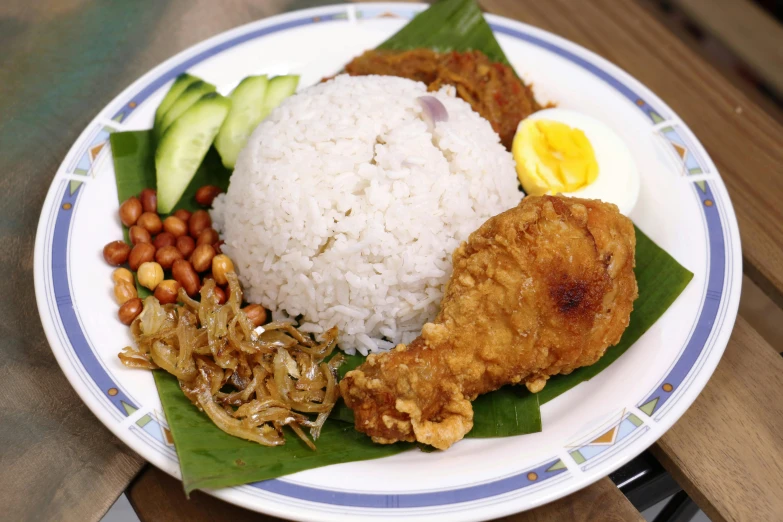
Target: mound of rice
[[344, 208]]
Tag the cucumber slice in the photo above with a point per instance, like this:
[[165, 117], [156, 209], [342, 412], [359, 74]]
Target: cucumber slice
[[253, 99], [247, 111], [181, 83], [184, 145], [189, 96], [280, 88]]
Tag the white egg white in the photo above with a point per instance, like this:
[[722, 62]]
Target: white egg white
[[618, 177]]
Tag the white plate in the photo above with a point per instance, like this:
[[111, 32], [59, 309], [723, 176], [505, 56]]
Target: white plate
[[588, 432]]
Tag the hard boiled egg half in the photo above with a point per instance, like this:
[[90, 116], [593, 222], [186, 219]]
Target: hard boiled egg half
[[558, 151]]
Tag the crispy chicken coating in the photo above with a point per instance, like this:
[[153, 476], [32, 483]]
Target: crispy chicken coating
[[539, 290]]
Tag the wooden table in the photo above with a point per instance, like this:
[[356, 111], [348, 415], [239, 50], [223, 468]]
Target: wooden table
[[61, 60]]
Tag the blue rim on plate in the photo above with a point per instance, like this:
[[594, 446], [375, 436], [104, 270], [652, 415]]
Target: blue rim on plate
[[718, 308]]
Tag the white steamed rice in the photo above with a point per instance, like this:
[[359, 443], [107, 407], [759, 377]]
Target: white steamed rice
[[344, 208]]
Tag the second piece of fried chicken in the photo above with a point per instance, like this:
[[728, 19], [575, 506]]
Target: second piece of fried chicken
[[538, 290]]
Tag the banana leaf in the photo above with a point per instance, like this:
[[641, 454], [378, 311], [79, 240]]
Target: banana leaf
[[448, 25], [210, 458], [134, 164]]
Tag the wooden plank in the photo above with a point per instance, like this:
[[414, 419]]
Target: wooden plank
[[744, 141], [762, 314], [727, 450], [716, 54], [157, 497], [746, 29]]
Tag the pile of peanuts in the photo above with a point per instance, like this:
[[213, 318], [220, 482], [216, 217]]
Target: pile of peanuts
[[183, 245]]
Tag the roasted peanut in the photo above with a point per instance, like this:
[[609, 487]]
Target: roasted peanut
[[221, 265], [129, 310], [185, 275], [221, 295], [151, 221], [124, 292], [256, 313], [139, 235], [122, 274], [167, 255], [164, 239], [149, 200], [130, 211], [166, 291], [219, 246], [175, 226], [183, 214], [206, 195], [116, 252], [186, 245], [208, 236], [150, 274], [141, 253], [199, 221], [201, 259]]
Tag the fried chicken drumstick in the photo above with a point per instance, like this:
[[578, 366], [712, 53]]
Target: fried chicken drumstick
[[539, 290]]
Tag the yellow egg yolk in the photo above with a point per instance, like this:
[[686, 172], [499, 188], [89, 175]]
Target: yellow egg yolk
[[552, 157]]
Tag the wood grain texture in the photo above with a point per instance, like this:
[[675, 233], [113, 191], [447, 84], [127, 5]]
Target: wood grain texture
[[157, 497], [716, 54], [755, 36], [727, 450], [762, 314]]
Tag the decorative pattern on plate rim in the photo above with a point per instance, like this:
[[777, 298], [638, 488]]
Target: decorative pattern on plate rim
[[685, 151], [369, 13], [702, 337], [627, 428], [92, 145]]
